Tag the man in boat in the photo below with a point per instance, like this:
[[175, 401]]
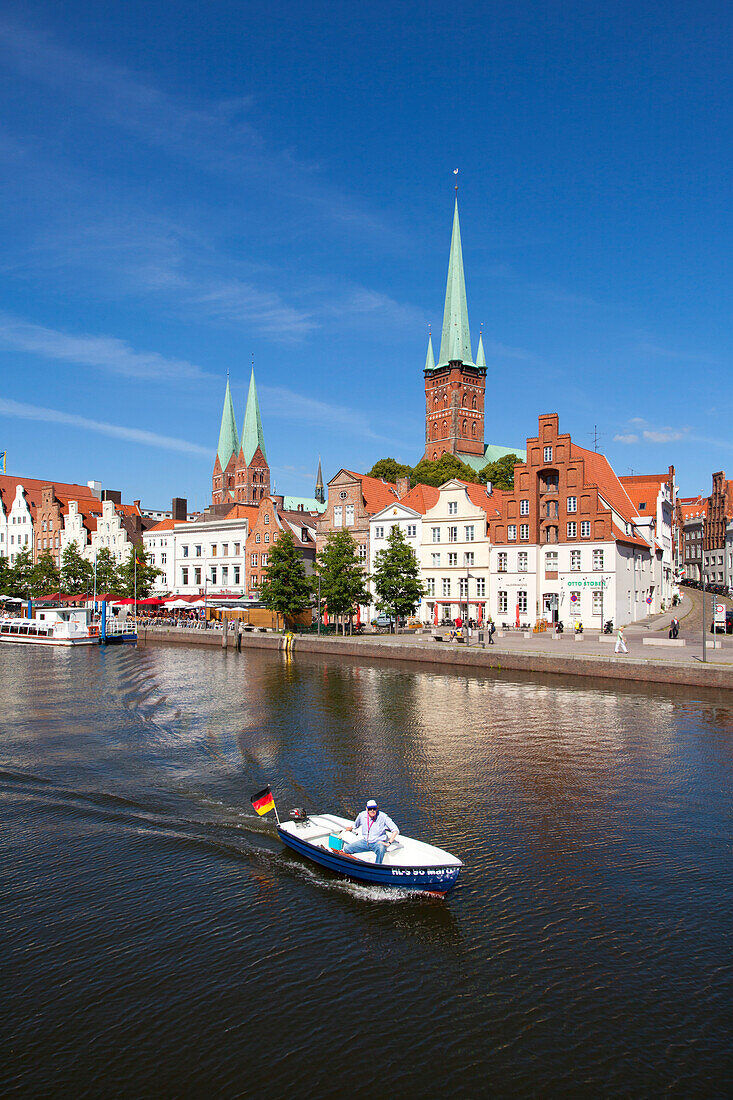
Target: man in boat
[[376, 832]]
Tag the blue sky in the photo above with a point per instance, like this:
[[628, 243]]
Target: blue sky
[[186, 187]]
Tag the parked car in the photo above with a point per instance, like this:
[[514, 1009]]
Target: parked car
[[383, 621]]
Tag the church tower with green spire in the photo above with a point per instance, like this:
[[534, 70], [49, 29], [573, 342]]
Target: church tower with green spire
[[253, 471], [223, 479], [455, 386]]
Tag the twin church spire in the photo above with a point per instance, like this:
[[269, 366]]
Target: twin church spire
[[252, 434]]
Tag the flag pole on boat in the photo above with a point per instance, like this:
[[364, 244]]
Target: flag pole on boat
[[263, 802]]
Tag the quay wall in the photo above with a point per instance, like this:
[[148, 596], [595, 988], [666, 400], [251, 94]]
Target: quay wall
[[623, 669]]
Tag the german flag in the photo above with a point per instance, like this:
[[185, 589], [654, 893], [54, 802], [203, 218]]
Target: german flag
[[263, 801]]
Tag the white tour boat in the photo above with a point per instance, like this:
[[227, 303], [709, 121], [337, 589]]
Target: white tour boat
[[67, 626]]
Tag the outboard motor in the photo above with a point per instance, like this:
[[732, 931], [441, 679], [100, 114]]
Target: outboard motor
[[299, 815]]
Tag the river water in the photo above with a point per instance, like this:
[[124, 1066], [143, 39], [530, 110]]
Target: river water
[[159, 941]]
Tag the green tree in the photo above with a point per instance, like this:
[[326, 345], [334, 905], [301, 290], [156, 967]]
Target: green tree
[[343, 578], [389, 469], [500, 473], [6, 576], [437, 471], [76, 572], [45, 578], [397, 577], [108, 576], [285, 587], [21, 575], [146, 574]]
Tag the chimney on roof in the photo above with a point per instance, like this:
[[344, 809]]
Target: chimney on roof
[[95, 487], [136, 503], [114, 495], [403, 487], [179, 509]]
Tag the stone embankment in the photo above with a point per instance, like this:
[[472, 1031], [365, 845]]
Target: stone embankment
[[590, 657]]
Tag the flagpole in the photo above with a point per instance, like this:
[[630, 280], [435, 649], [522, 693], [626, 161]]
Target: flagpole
[[135, 554], [277, 816]]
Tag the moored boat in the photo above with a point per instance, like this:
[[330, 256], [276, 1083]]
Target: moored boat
[[65, 626], [408, 864]]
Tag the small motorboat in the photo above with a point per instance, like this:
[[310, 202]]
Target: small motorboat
[[408, 864]]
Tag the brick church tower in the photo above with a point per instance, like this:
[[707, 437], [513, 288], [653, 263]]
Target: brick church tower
[[455, 386], [241, 473]]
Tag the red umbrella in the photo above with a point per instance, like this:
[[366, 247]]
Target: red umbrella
[[358, 616], [480, 614], [151, 601], [325, 614], [517, 616], [435, 616]]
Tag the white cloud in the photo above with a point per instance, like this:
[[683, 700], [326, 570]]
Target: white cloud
[[106, 353], [19, 411], [631, 438], [664, 435]]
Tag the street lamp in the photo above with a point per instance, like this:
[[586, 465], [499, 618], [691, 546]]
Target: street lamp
[[469, 576]]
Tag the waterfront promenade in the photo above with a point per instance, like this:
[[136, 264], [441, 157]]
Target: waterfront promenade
[[650, 657]]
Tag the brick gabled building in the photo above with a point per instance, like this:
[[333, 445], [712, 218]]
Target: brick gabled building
[[565, 541], [352, 500], [27, 503]]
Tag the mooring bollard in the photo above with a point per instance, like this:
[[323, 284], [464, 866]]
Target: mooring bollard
[[224, 632], [238, 634]]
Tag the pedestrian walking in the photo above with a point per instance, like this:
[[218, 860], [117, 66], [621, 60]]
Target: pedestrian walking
[[492, 631], [621, 641], [674, 628]]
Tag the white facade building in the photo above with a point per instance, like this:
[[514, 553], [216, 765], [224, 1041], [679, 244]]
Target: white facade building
[[200, 556], [409, 522], [454, 553]]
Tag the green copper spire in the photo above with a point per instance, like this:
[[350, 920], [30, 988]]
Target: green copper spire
[[480, 357], [430, 358], [228, 438], [455, 341], [252, 435]]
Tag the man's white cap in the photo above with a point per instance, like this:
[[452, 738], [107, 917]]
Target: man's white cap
[[372, 805]]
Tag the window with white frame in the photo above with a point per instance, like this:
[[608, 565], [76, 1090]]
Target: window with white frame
[[522, 558], [502, 603], [362, 551], [184, 575], [446, 586], [213, 574], [264, 559], [572, 504], [547, 454], [572, 529], [462, 586], [452, 534], [349, 515], [468, 558], [197, 575], [480, 586], [436, 534], [452, 507], [411, 530], [551, 560], [253, 559], [338, 516], [511, 531], [598, 602], [585, 528], [225, 574], [522, 601], [430, 586], [184, 551], [267, 536], [452, 559], [575, 560], [524, 530], [257, 537], [267, 517], [198, 550], [501, 561], [379, 532], [435, 560], [236, 574], [163, 559], [469, 533], [524, 507], [598, 559]]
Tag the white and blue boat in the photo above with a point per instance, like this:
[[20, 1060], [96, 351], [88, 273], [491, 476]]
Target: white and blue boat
[[408, 864]]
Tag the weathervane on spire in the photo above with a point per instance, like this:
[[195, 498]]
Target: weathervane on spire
[[455, 173]]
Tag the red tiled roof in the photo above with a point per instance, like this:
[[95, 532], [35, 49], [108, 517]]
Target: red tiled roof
[[693, 507], [644, 489], [477, 495], [632, 540], [127, 510], [376, 494], [34, 491], [598, 471], [420, 498], [164, 525]]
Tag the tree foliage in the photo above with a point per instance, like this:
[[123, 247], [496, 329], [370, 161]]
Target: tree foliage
[[397, 577], [108, 578], [285, 587], [343, 578], [389, 469], [76, 572], [146, 574], [437, 471], [21, 576], [45, 577], [500, 473]]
